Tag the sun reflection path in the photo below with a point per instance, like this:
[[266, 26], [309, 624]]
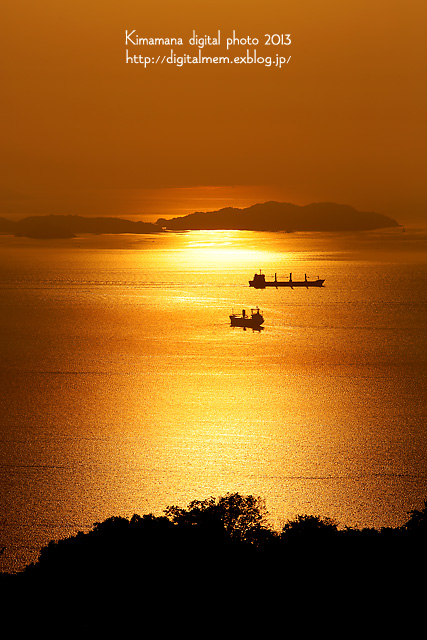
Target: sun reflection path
[[233, 248]]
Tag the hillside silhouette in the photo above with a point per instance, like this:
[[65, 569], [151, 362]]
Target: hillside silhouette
[[282, 216], [270, 216], [217, 566], [58, 226]]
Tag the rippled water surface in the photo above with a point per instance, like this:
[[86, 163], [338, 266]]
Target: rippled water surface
[[124, 389]]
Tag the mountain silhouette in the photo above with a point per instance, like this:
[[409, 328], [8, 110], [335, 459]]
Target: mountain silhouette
[[58, 226], [282, 216], [269, 216]]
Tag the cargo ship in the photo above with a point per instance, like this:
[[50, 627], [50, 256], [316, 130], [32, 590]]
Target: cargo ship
[[259, 282]]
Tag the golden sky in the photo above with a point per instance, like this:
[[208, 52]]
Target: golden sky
[[85, 132]]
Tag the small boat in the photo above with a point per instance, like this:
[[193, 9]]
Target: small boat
[[259, 282], [253, 321]]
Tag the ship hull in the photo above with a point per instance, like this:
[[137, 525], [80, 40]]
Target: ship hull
[[290, 284], [245, 322]]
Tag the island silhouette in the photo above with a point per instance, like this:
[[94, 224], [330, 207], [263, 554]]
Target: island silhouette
[[282, 216], [269, 216], [67, 226]]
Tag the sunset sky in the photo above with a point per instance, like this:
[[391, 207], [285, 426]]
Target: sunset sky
[[86, 133]]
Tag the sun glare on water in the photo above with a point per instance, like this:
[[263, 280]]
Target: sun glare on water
[[231, 248]]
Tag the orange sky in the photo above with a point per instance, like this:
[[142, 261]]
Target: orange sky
[[86, 133]]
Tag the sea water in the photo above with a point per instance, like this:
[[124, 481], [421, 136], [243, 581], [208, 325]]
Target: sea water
[[125, 390]]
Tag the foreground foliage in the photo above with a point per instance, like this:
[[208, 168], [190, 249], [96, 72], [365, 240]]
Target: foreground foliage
[[217, 552]]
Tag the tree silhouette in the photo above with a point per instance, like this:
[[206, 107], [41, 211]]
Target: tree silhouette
[[233, 517], [192, 560], [417, 523], [310, 526]]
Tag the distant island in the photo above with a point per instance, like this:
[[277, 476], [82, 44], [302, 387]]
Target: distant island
[[58, 226], [269, 216], [282, 216]]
